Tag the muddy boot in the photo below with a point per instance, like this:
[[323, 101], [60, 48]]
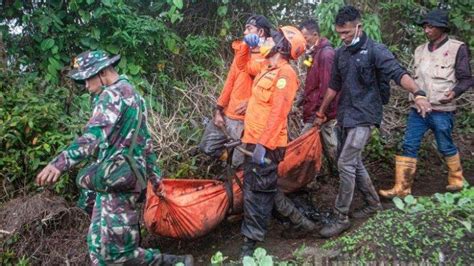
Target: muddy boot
[[300, 230], [455, 177], [247, 248], [171, 260], [405, 168], [336, 227], [367, 211]]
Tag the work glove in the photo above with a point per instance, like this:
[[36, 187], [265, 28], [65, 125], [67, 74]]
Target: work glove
[[258, 155], [252, 40]]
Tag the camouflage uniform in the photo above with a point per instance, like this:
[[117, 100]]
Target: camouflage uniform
[[114, 231]]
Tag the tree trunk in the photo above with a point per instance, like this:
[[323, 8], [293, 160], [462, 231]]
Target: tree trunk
[[3, 54]]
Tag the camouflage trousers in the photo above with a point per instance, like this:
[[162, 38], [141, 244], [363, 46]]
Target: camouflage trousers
[[114, 234]]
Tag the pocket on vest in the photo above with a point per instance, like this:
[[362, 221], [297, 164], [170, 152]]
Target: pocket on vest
[[444, 71]]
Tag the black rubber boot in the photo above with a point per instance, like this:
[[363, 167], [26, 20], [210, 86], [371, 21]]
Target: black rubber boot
[[171, 260], [336, 227], [247, 248], [367, 211]]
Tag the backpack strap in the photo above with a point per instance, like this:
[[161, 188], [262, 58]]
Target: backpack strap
[[129, 157]]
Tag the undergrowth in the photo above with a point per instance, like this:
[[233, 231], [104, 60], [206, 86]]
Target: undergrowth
[[434, 229]]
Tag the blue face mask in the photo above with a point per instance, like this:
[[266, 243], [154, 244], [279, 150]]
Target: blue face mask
[[356, 39]]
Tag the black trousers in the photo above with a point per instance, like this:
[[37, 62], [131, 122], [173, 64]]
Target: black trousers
[[260, 186]]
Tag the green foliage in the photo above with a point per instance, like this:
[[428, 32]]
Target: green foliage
[[33, 126], [53, 33], [218, 259], [298, 255], [326, 14], [422, 229], [153, 56], [8, 257], [260, 258], [465, 122], [372, 26], [401, 33], [378, 150], [166, 47]]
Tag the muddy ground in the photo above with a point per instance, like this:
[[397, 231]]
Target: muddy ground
[[61, 239], [227, 239], [431, 178]]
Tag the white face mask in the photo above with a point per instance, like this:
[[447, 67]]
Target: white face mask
[[356, 38]]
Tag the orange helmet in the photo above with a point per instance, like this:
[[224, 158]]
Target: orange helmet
[[296, 40]]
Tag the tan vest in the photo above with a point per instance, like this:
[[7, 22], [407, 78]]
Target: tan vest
[[435, 73]]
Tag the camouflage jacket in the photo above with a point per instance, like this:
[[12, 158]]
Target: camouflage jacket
[[110, 129]]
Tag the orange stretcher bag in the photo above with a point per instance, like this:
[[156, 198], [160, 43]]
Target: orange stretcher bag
[[301, 163], [190, 208]]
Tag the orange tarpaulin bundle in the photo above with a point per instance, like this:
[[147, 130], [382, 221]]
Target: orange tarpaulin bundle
[[301, 163], [191, 208]]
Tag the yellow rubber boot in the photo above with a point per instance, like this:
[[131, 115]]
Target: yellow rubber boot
[[405, 168], [455, 178]]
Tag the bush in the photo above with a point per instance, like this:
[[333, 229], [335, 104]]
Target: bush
[[34, 126]]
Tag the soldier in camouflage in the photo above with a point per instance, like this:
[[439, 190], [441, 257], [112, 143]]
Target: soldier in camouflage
[[119, 148]]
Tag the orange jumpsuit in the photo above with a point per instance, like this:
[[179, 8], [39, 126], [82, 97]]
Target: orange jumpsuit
[[238, 85], [237, 90], [273, 92]]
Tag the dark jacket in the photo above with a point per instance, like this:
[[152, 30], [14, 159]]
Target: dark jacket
[[353, 74], [317, 82]]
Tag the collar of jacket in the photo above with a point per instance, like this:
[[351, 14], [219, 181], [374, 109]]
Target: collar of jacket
[[279, 64], [362, 44], [432, 47], [322, 43]]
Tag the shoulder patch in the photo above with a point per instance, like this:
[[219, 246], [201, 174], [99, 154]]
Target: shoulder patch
[[281, 83]]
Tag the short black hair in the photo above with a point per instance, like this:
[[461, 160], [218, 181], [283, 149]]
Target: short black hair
[[347, 14], [261, 22], [310, 25]]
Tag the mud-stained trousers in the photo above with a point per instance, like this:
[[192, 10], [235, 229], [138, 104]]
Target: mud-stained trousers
[[260, 187], [286, 208], [352, 171], [213, 140], [114, 235]]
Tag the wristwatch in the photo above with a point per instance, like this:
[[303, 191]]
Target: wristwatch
[[419, 93]]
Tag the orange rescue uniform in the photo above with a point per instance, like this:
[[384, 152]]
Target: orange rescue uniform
[[238, 85], [273, 92]]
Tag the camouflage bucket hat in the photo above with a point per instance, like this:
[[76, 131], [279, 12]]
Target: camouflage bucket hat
[[88, 64]]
